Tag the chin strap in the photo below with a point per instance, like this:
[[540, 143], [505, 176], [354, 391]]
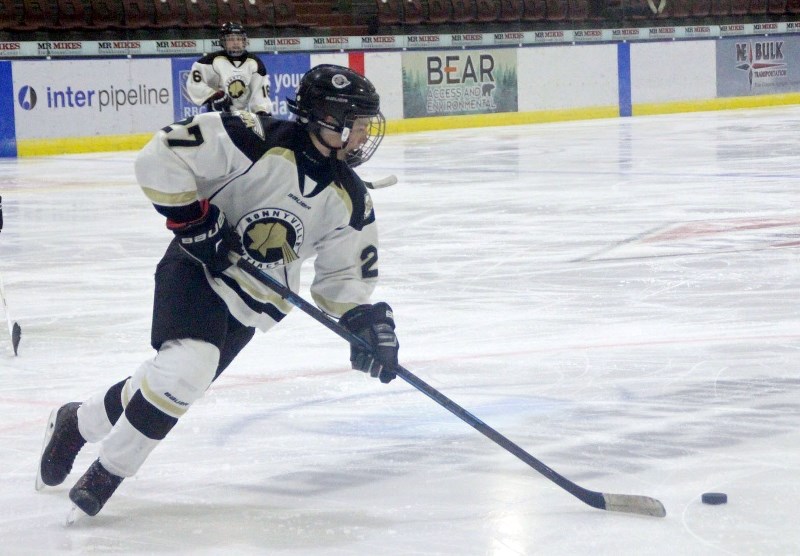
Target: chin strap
[[334, 150], [318, 135]]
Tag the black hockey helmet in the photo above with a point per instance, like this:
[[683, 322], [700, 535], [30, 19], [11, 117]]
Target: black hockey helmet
[[231, 29], [344, 95]]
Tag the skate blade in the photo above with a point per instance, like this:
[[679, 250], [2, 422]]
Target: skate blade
[[74, 515], [48, 434]]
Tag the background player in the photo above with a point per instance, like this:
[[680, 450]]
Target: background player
[[231, 78]]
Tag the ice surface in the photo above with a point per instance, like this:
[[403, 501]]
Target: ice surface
[[619, 297]]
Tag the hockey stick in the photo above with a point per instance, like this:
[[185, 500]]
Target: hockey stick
[[381, 183], [628, 503], [14, 329]]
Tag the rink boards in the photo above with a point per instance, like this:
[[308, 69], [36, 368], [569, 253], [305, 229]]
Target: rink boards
[[53, 106]]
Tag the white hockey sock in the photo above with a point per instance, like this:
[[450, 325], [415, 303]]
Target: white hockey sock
[[125, 449], [93, 423]]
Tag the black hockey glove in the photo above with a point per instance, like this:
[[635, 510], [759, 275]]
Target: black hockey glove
[[219, 102], [374, 323], [208, 239]]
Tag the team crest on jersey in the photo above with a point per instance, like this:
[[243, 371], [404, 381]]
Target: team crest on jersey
[[271, 237], [236, 88]]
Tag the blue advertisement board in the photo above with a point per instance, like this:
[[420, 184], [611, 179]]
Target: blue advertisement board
[[284, 70], [182, 104], [8, 135]]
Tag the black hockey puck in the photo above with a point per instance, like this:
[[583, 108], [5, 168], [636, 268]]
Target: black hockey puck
[[714, 498]]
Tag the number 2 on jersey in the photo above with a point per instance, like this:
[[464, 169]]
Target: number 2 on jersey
[[369, 258]]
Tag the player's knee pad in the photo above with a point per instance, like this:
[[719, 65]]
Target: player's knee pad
[[178, 375]]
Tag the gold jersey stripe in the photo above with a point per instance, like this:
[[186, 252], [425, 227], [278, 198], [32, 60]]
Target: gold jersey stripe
[[282, 152], [170, 199], [164, 404], [259, 295], [344, 196], [126, 394], [331, 307]]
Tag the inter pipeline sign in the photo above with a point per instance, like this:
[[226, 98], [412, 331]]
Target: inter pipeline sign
[[81, 98]]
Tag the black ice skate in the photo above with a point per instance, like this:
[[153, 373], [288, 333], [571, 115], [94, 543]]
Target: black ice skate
[[62, 442], [93, 490]]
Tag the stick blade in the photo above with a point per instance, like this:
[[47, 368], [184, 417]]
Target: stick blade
[[633, 504], [16, 336], [388, 181]]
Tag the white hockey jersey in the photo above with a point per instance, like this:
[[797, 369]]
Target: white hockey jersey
[[243, 78], [287, 202]]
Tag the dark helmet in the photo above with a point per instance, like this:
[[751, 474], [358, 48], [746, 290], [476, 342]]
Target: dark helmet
[[344, 95], [232, 29]]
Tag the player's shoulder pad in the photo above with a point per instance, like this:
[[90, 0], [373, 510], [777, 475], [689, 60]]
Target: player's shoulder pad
[[260, 67], [208, 59], [255, 134], [357, 192]]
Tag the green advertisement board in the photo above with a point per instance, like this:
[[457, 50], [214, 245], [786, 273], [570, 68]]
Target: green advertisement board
[[459, 82]]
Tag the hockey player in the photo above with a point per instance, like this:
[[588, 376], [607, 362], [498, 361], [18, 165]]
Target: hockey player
[[275, 192], [231, 78]]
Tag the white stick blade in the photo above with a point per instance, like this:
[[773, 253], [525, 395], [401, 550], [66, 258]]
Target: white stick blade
[[383, 182], [14, 330], [632, 504]]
